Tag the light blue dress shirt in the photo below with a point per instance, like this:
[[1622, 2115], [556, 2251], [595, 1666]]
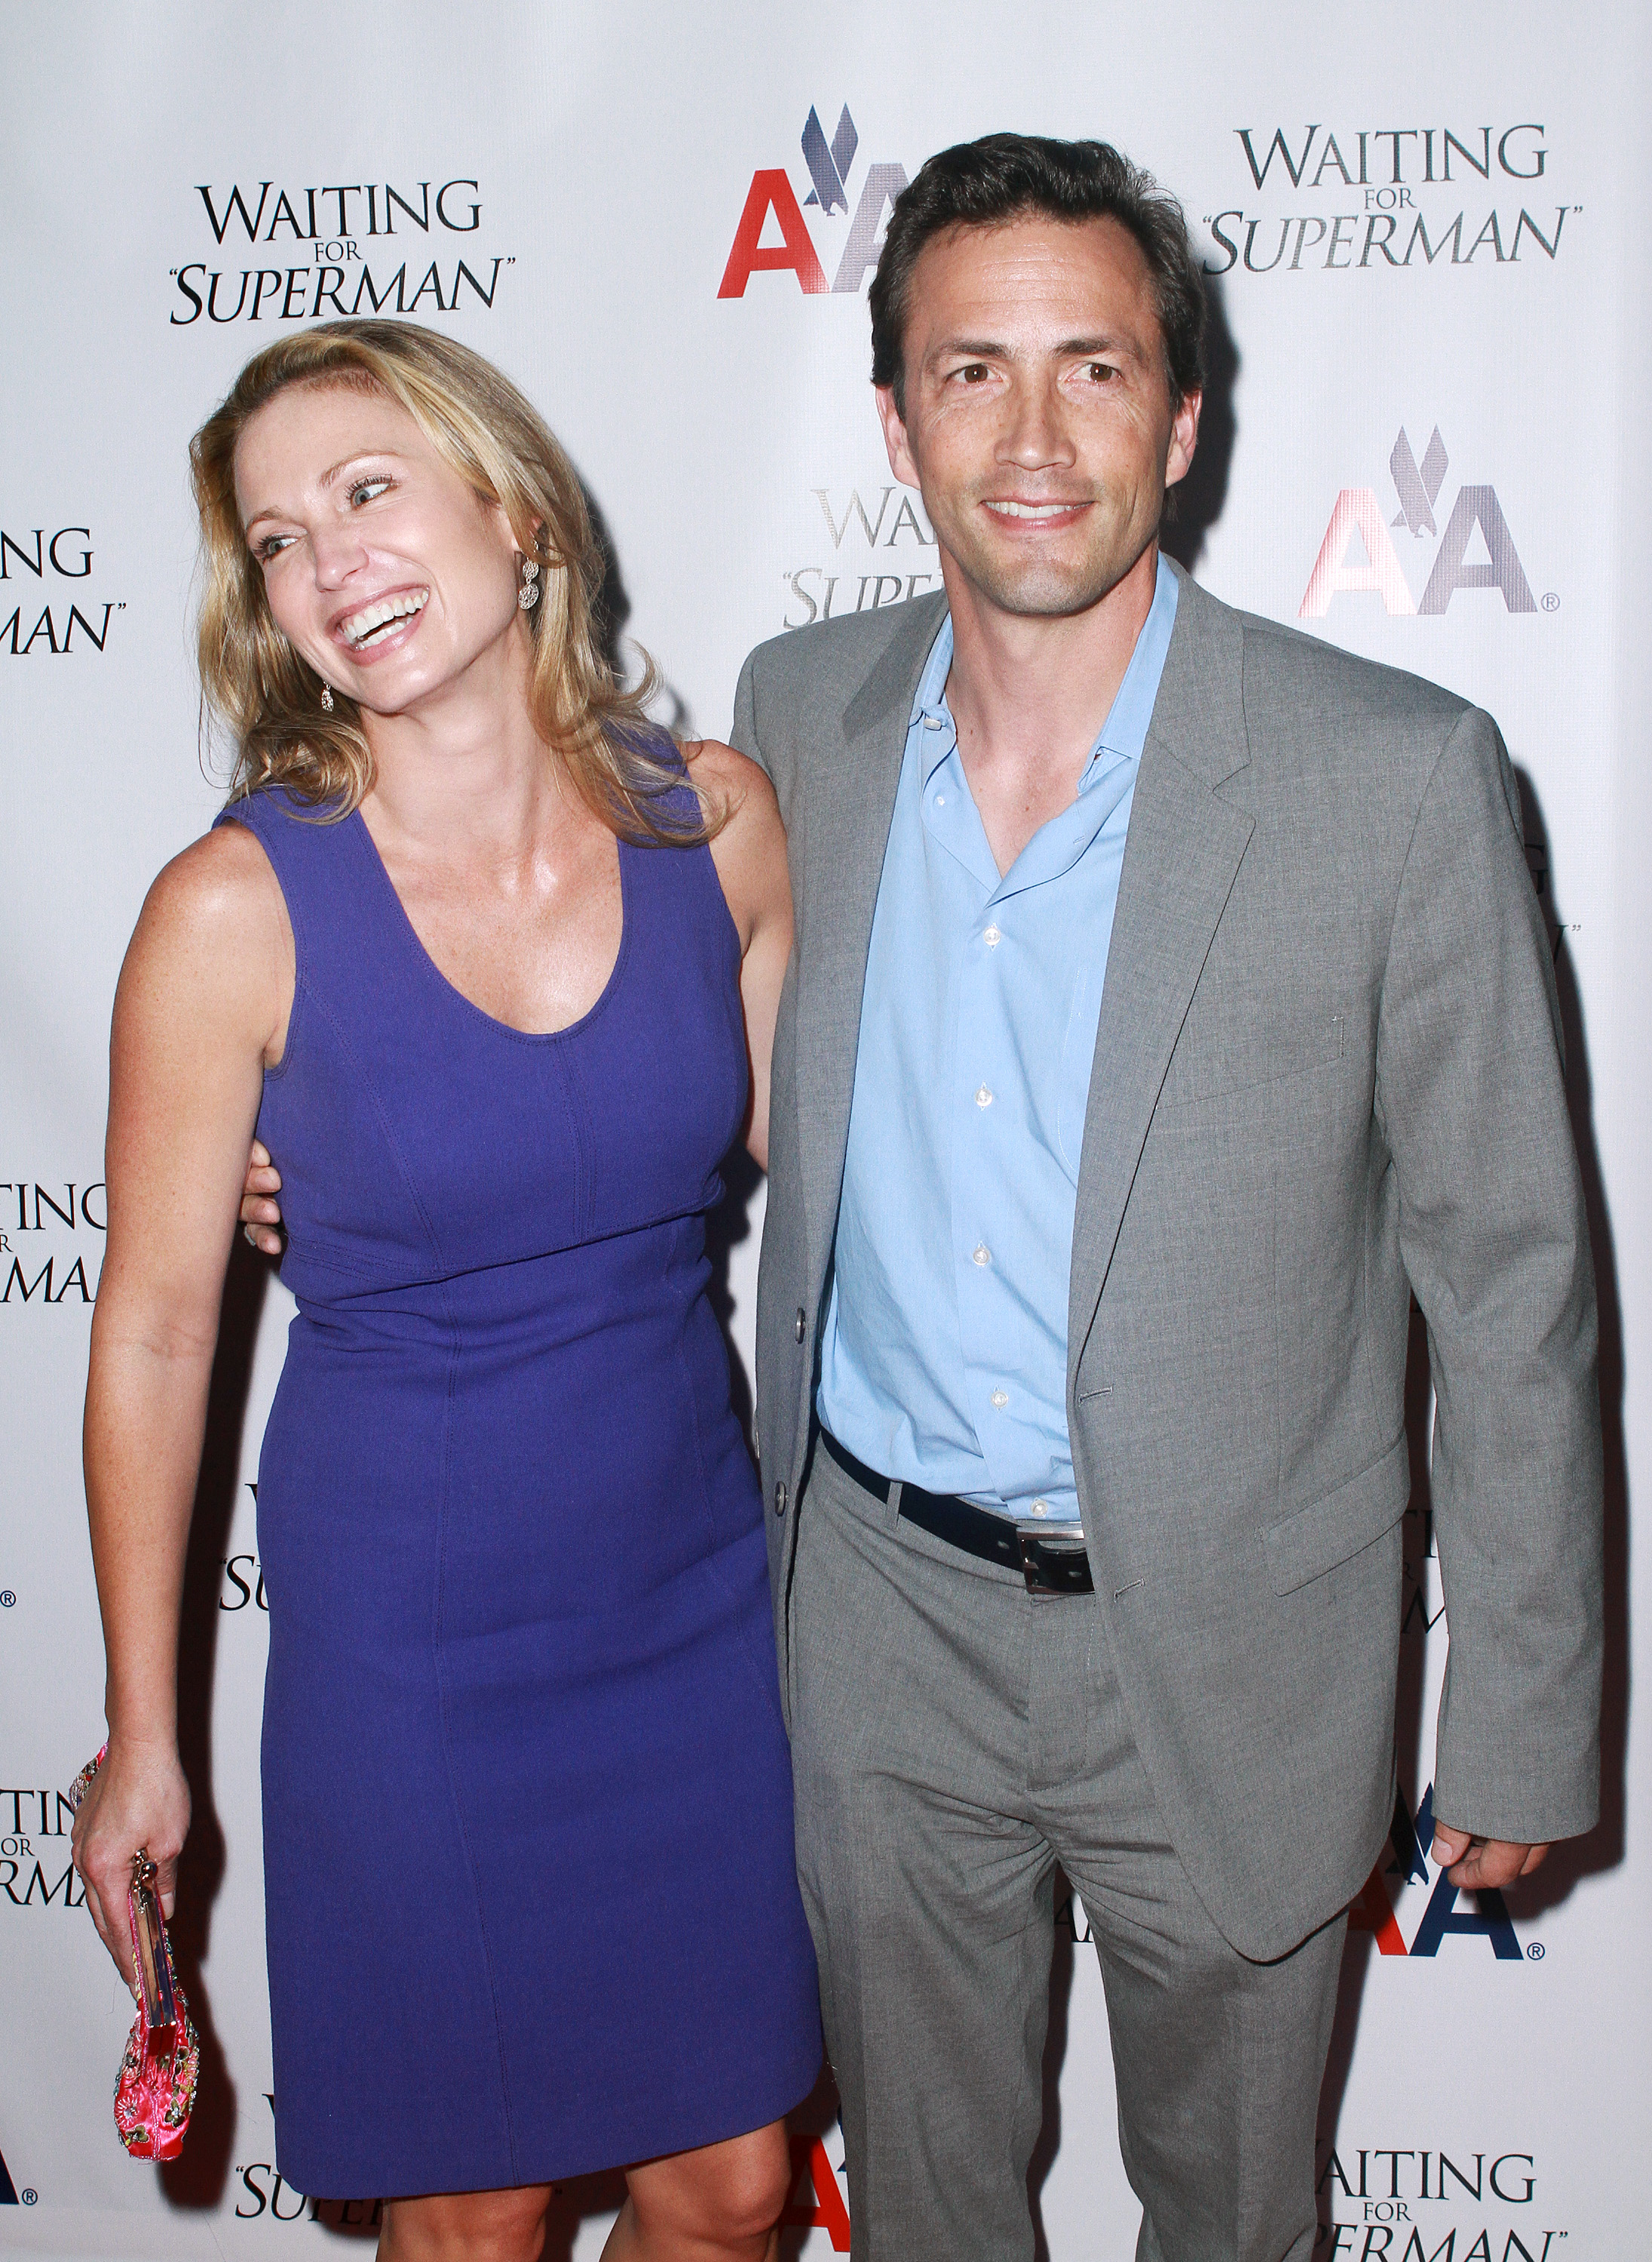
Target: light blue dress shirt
[[944, 1356]]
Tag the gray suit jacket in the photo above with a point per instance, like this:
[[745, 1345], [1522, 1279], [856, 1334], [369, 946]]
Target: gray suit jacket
[[1327, 1077]]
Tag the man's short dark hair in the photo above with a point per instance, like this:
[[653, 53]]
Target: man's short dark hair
[[1006, 177]]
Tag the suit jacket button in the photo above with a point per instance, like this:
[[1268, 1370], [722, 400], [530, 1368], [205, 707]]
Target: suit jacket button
[[799, 1323], [780, 1499]]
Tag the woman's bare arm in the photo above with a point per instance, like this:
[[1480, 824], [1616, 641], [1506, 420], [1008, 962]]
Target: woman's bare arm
[[201, 1007], [750, 856]]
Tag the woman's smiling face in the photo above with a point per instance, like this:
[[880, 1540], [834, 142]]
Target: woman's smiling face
[[383, 568]]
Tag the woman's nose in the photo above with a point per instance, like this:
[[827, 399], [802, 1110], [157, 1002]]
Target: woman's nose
[[337, 551]]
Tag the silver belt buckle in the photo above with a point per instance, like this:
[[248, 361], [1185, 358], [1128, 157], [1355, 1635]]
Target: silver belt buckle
[[1044, 1557]]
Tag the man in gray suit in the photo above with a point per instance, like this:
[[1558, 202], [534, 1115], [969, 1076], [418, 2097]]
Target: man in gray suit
[[1169, 1003]]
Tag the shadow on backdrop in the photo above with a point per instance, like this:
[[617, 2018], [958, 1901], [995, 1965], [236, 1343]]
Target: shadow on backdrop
[[610, 609], [197, 2178], [1198, 501], [1070, 1942]]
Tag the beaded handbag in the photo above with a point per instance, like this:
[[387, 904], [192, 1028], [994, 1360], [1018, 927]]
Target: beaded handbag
[[155, 2088]]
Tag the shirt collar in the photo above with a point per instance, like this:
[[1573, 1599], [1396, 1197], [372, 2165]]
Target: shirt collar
[[938, 734], [1124, 732]]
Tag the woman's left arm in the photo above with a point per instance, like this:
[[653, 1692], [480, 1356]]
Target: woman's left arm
[[750, 856]]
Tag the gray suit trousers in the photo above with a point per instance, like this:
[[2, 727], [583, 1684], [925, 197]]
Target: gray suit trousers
[[953, 1738]]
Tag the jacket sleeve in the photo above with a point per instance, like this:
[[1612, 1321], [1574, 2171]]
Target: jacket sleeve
[[743, 731], [1471, 1099]]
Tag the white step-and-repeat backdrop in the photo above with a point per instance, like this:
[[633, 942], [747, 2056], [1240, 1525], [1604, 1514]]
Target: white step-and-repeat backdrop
[[1425, 438]]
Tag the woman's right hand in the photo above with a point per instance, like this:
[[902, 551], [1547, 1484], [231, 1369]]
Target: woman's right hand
[[138, 1798]]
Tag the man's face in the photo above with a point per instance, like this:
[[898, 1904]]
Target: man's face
[[1038, 422]]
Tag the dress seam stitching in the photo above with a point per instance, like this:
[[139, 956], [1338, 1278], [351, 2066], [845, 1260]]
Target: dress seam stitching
[[447, 1741]]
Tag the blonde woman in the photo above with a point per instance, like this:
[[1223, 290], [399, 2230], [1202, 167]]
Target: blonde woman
[[482, 960]]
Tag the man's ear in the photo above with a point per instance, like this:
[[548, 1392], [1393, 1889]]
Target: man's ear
[[1184, 438], [895, 439]]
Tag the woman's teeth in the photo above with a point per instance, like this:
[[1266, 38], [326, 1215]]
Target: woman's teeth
[[364, 627]]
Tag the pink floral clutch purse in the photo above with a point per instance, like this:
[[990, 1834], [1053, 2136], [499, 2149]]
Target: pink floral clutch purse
[[155, 2089]]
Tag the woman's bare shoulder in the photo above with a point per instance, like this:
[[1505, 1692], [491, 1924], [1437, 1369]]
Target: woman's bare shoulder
[[731, 777], [214, 936], [221, 889]]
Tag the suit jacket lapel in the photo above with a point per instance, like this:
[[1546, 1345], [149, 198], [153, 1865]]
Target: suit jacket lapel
[[848, 823], [1182, 856]]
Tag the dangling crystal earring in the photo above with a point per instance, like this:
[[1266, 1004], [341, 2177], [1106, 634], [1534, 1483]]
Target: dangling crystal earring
[[527, 594], [327, 699]]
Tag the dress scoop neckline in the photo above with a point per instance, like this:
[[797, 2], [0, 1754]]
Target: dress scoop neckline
[[505, 1028]]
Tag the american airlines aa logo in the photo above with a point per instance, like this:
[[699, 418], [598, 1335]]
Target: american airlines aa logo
[[1476, 551], [771, 206], [1409, 1841]]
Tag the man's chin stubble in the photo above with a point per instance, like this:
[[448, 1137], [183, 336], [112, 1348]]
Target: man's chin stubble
[[1043, 594]]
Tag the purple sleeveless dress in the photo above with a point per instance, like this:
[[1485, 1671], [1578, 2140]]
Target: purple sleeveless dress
[[531, 1902]]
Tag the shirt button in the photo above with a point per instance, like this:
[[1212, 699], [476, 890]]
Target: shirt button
[[780, 1499], [941, 801], [798, 1324], [981, 1254], [983, 1097], [1040, 1507], [1000, 1398], [992, 938]]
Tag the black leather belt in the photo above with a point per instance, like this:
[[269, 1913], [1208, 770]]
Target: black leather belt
[[1051, 1559]]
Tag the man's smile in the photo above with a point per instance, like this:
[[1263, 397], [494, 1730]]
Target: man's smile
[[1039, 511]]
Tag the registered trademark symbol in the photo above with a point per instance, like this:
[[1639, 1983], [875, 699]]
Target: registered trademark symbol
[[1535, 1950], [7, 1598], [29, 2195], [1551, 601]]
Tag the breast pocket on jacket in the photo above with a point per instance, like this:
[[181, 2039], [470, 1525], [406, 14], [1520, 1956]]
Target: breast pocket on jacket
[[1217, 1063]]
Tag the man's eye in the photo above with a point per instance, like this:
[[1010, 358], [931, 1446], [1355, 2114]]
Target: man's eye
[[975, 373], [1100, 371], [367, 491]]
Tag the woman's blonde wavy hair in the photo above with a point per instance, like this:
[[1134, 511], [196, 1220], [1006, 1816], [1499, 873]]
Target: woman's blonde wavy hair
[[477, 422]]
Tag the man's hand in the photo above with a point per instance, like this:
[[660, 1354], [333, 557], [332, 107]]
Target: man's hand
[[260, 1213], [1468, 1860]]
